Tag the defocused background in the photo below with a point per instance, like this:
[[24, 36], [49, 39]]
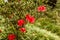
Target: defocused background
[[42, 22]]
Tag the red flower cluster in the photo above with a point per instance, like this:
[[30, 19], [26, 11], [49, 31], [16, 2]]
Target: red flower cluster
[[30, 18], [21, 22], [11, 37], [22, 30], [41, 8]]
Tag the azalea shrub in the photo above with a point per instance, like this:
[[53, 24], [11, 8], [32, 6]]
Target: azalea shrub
[[29, 20]]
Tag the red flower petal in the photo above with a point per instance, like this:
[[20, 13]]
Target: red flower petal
[[22, 30], [30, 18], [21, 22], [11, 37], [41, 9]]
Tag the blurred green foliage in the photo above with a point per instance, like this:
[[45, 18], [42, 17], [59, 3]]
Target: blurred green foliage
[[46, 27]]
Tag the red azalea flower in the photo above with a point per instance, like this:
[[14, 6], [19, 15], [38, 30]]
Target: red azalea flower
[[11, 37], [22, 30], [41, 9], [21, 22], [30, 18]]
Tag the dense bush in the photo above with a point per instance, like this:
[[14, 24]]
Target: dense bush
[[25, 20]]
